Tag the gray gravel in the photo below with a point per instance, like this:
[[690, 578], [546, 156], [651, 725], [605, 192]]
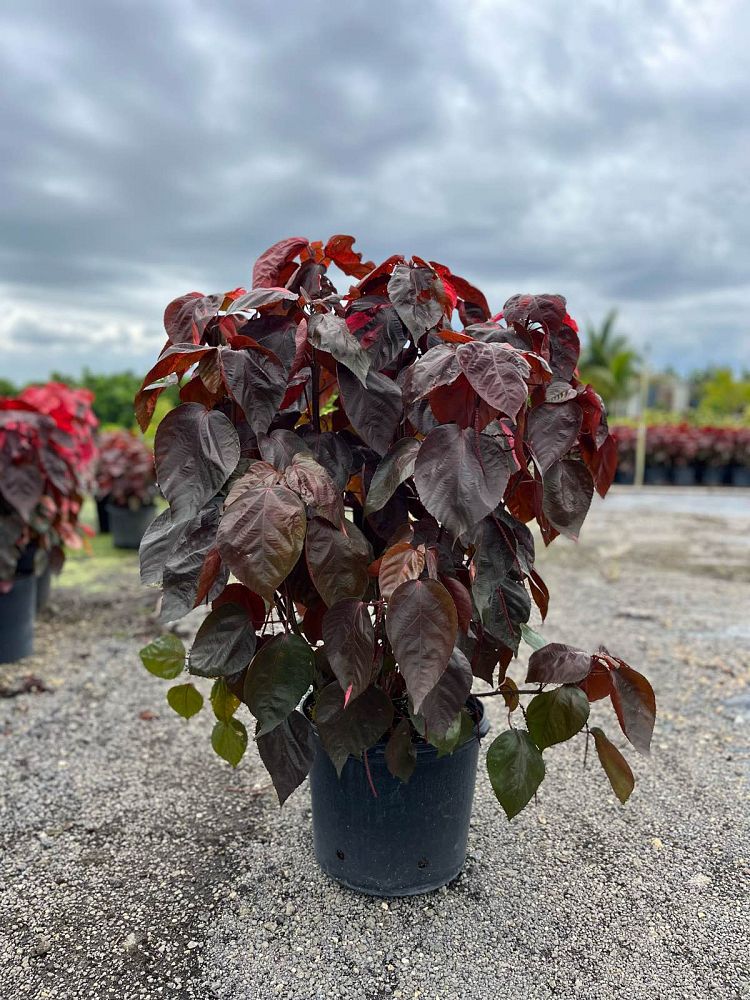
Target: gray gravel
[[135, 864]]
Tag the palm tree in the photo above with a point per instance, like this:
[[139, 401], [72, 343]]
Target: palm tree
[[608, 361]]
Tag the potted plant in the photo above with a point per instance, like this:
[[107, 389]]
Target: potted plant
[[71, 410], [625, 438], [714, 451], [366, 472], [126, 483], [741, 457], [40, 500]]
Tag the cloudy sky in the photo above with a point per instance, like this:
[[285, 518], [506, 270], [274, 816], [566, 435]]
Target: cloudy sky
[[598, 149]]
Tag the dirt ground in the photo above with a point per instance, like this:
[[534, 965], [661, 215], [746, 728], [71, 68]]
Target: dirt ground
[[137, 864]]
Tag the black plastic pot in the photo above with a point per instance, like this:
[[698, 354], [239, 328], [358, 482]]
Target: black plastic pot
[[740, 475], [128, 526], [684, 475], [713, 475], [409, 839], [43, 587], [102, 514], [17, 610], [656, 475]]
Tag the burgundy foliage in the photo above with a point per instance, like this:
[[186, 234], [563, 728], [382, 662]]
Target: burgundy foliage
[[46, 453], [366, 470], [125, 470]]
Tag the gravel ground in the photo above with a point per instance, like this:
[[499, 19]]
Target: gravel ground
[[136, 864]]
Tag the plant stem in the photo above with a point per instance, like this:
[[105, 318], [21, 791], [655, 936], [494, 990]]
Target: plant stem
[[315, 392], [494, 694], [369, 776]]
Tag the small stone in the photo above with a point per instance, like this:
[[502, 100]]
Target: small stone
[[656, 844], [269, 925], [40, 946], [130, 943], [192, 944], [290, 909]]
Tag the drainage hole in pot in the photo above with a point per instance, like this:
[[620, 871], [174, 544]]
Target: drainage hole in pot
[[340, 855], [422, 863]]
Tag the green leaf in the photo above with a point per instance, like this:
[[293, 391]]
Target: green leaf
[[615, 766], [516, 770], [225, 643], [459, 732], [400, 752], [555, 716], [223, 702], [277, 679], [164, 657], [185, 700], [229, 740], [532, 638]]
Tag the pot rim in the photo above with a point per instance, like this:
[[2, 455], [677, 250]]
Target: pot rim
[[423, 748]]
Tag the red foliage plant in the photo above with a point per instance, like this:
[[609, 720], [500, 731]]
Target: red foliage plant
[[125, 470], [71, 411], [43, 472], [367, 471]]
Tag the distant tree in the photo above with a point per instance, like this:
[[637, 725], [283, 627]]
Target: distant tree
[[723, 395], [608, 361], [7, 388]]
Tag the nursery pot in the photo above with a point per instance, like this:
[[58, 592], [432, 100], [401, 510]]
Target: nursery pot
[[128, 526], [684, 475], [411, 837], [656, 475], [740, 475], [102, 513], [713, 475], [17, 610], [43, 587]]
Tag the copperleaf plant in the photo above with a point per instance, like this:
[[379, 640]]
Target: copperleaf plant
[[350, 480]]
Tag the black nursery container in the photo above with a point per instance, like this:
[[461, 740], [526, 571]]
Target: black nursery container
[[102, 515], [43, 587], [409, 839], [128, 526], [17, 611]]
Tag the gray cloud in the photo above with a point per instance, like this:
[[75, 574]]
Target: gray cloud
[[148, 148]]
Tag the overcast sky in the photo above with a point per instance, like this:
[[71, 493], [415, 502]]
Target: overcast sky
[[597, 149]]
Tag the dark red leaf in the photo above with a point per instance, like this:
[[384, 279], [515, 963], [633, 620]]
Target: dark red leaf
[[237, 593], [568, 489], [557, 663], [461, 475], [261, 537], [399, 563], [422, 626], [269, 267], [339, 249], [494, 373], [443, 703], [374, 409], [344, 731], [337, 560], [552, 429], [400, 752], [287, 753], [461, 598], [418, 296], [349, 639], [195, 451], [634, 702]]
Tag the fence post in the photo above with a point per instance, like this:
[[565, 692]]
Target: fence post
[[640, 443]]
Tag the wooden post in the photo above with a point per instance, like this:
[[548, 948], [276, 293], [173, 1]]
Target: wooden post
[[640, 443]]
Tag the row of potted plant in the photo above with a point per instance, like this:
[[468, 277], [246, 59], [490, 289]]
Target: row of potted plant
[[685, 455], [350, 478], [125, 487], [47, 451]]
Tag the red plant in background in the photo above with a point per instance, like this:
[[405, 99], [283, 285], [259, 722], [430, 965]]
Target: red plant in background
[[125, 470], [674, 445], [40, 488], [71, 411]]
